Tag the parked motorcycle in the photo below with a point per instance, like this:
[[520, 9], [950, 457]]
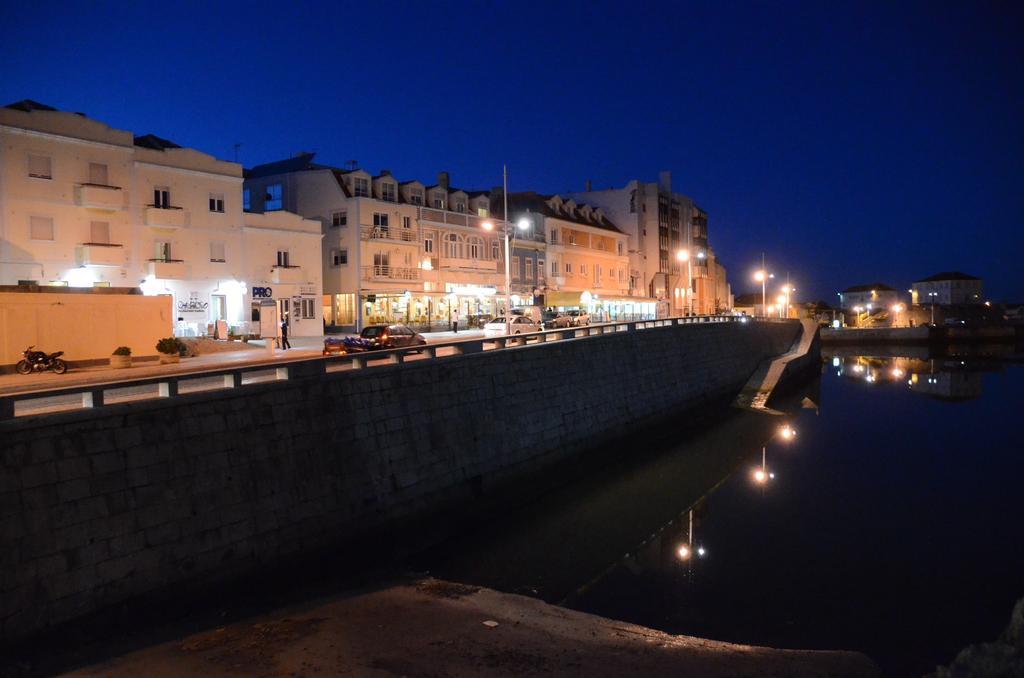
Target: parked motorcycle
[[40, 361]]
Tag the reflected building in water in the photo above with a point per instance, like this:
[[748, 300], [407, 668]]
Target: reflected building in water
[[946, 379]]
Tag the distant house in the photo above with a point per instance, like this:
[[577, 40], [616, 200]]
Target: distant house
[[868, 297], [948, 288], [749, 304]]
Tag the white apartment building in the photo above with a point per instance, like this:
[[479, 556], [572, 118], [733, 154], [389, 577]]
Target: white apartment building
[[946, 288], [660, 224], [84, 205], [393, 251]]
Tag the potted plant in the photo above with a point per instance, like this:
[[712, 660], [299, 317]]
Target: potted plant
[[169, 349], [121, 358]]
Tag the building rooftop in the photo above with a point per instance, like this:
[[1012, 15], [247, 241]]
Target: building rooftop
[[28, 105], [869, 287], [948, 275], [154, 142], [553, 206]]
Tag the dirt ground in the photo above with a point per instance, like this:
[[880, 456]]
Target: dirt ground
[[436, 629]]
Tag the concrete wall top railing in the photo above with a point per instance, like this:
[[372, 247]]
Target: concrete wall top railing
[[92, 396]]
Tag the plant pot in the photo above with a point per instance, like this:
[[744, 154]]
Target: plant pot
[[169, 359], [120, 361]]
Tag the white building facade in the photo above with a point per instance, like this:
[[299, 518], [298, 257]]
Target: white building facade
[[948, 288], [86, 205]]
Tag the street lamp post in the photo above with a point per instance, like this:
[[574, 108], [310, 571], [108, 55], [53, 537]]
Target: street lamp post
[[933, 295], [684, 255], [489, 226]]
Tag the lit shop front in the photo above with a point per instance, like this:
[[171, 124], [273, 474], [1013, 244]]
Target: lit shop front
[[431, 310], [299, 303], [603, 308], [198, 304]]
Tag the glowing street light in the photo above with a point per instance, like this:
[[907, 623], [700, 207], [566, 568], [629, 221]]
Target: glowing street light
[[685, 551], [522, 225]]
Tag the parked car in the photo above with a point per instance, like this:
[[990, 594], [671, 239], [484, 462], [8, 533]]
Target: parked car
[[379, 337], [531, 312], [553, 320], [520, 325], [578, 317]]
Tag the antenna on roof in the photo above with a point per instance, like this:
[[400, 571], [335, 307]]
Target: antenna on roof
[[352, 165], [237, 146]]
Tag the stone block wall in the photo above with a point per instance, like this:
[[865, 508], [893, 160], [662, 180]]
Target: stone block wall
[[99, 507]]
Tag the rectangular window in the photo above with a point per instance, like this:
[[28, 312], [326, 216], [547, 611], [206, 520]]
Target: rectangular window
[[99, 232], [273, 199], [98, 174], [554, 268], [583, 269], [387, 192], [380, 219], [460, 206], [161, 197], [308, 309], [339, 218], [495, 250], [40, 228], [438, 202], [161, 251], [245, 199], [406, 222], [428, 243], [570, 237], [339, 257], [529, 270], [597, 273], [622, 275], [217, 202], [620, 249], [217, 252], [481, 211], [554, 235], [540, 268], [515, 268], [417, 197], [282, 258], [40, 166], [361, 187], [568, 268]]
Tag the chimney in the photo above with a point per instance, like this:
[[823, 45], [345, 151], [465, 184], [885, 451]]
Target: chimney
[[588, 185], [665, 181], [442, 180]]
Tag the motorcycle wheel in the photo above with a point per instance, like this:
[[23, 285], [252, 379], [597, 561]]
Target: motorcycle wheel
[[23, 367], [59, 366]]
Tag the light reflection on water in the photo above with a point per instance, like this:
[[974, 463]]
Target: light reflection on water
[[889, 524]]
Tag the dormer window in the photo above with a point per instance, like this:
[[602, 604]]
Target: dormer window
[[416, 197], [460, 206], [361, 187], [388, 192], [438, 201]]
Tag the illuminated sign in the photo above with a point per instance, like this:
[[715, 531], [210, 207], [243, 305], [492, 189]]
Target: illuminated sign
[[262, 292]]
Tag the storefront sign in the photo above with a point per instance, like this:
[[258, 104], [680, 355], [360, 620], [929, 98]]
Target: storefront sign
[[471, 290], [262, 293], [192, 309]]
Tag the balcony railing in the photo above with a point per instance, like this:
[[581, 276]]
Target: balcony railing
[[380, 272], [99, 197], [169, 269], [388, 233], [286, 274], [99, 254]]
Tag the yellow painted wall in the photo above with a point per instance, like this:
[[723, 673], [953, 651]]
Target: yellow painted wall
[[84, 326]]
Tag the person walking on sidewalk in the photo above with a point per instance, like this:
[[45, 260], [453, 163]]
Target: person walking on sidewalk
[[284, 333], [455, 320]]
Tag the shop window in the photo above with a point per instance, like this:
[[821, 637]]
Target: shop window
[[40, 166], [339, 218], [274, 198], [40, 228], [217, 252]]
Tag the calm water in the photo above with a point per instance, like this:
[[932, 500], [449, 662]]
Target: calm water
[[893, 524]]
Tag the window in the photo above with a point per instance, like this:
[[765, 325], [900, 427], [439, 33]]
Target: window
[[99, 232], [161, 251], [495, 250], [245, 199], [529, 269], [620, 249], [622, 275], [40, 166], [428, 243], [406, 222], [540, 268], [361, 187], [339, 257], [339, 218], [380, 219], [568, 268], [554, 268], [217, 252], [161, 197], [583, 269], [554, 235], [456, 247], [460, 206], [597, 273], [217, 202], [416, 197], [476, 248], [387, 192], [481, 211], [570, 237], [380, 261], [308, 311], [438, 201], [98, 174], [282, 258], [515, 268], [600, 244], [273, 200], [40, 228]]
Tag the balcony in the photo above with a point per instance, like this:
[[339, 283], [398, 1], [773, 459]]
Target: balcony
[[286, 274], [377, 272], [165, 217], [99, 197], [387, 233], [437, 216], [169, 269], [99, 254], [481, 265]]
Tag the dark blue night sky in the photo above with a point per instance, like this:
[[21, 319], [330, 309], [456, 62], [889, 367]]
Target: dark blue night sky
[[852, 142]]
